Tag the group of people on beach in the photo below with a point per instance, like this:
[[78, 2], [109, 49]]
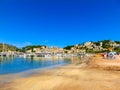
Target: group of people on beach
[[110, 55]]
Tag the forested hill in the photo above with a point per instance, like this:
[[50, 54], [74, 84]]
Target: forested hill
[[99, 46]]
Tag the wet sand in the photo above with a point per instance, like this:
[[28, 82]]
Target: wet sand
[[69, 77]]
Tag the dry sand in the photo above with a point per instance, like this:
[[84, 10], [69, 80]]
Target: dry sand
[[71, 77]]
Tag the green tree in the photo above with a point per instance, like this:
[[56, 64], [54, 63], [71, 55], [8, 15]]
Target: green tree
[[68, 47], [117, 49]]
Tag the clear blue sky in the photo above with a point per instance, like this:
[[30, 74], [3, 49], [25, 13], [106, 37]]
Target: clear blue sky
[[58, 22]]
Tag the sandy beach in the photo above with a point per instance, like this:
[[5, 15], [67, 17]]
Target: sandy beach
[[71, 77]]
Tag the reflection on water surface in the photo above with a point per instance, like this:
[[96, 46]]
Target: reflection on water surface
[[16, 64]]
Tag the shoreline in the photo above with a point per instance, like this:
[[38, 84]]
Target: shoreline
[[5, 78], [38, 72], [68, 77]]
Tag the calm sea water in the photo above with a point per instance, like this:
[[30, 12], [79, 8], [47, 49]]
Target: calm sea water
[[16, 64]]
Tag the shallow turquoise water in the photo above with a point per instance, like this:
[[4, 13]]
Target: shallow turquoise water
[[16, 64]]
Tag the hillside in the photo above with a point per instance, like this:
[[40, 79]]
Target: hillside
[[96, 47], [7, 47]]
